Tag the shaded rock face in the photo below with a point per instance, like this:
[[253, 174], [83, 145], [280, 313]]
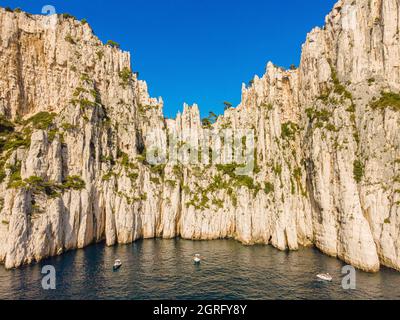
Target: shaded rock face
[[74, 134]]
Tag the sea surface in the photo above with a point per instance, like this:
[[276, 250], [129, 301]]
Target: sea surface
[[164, 269]]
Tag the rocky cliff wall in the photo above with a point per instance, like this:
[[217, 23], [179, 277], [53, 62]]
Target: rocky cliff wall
[[75, 129]]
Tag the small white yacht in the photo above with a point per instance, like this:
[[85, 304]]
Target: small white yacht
[[197, 259], [325, 277], [117, 264]]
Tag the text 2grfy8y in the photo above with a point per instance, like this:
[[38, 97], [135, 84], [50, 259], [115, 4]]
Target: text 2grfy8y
[[223, 309]]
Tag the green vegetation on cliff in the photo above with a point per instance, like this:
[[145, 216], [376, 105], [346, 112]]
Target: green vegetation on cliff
[[358, 170], [387, 100]]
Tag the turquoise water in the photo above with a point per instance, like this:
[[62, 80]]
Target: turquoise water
[[164, 269]]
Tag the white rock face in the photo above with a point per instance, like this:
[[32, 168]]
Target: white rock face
[[327, 170]]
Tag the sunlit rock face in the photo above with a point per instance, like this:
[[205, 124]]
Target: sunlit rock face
[[76, 126]]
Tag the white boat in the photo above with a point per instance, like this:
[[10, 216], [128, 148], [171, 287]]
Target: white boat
[[197, 259], [117, 264], [325, 277]]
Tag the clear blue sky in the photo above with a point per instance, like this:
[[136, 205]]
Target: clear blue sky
[[198, 50]]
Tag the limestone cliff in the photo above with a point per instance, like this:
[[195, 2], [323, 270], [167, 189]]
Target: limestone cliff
[[74, 133]]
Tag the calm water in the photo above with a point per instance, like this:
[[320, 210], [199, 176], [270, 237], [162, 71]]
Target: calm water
[[163, 269]]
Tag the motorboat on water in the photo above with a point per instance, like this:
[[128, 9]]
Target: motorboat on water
[[325, 277], [117, 265], [197, 259]]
